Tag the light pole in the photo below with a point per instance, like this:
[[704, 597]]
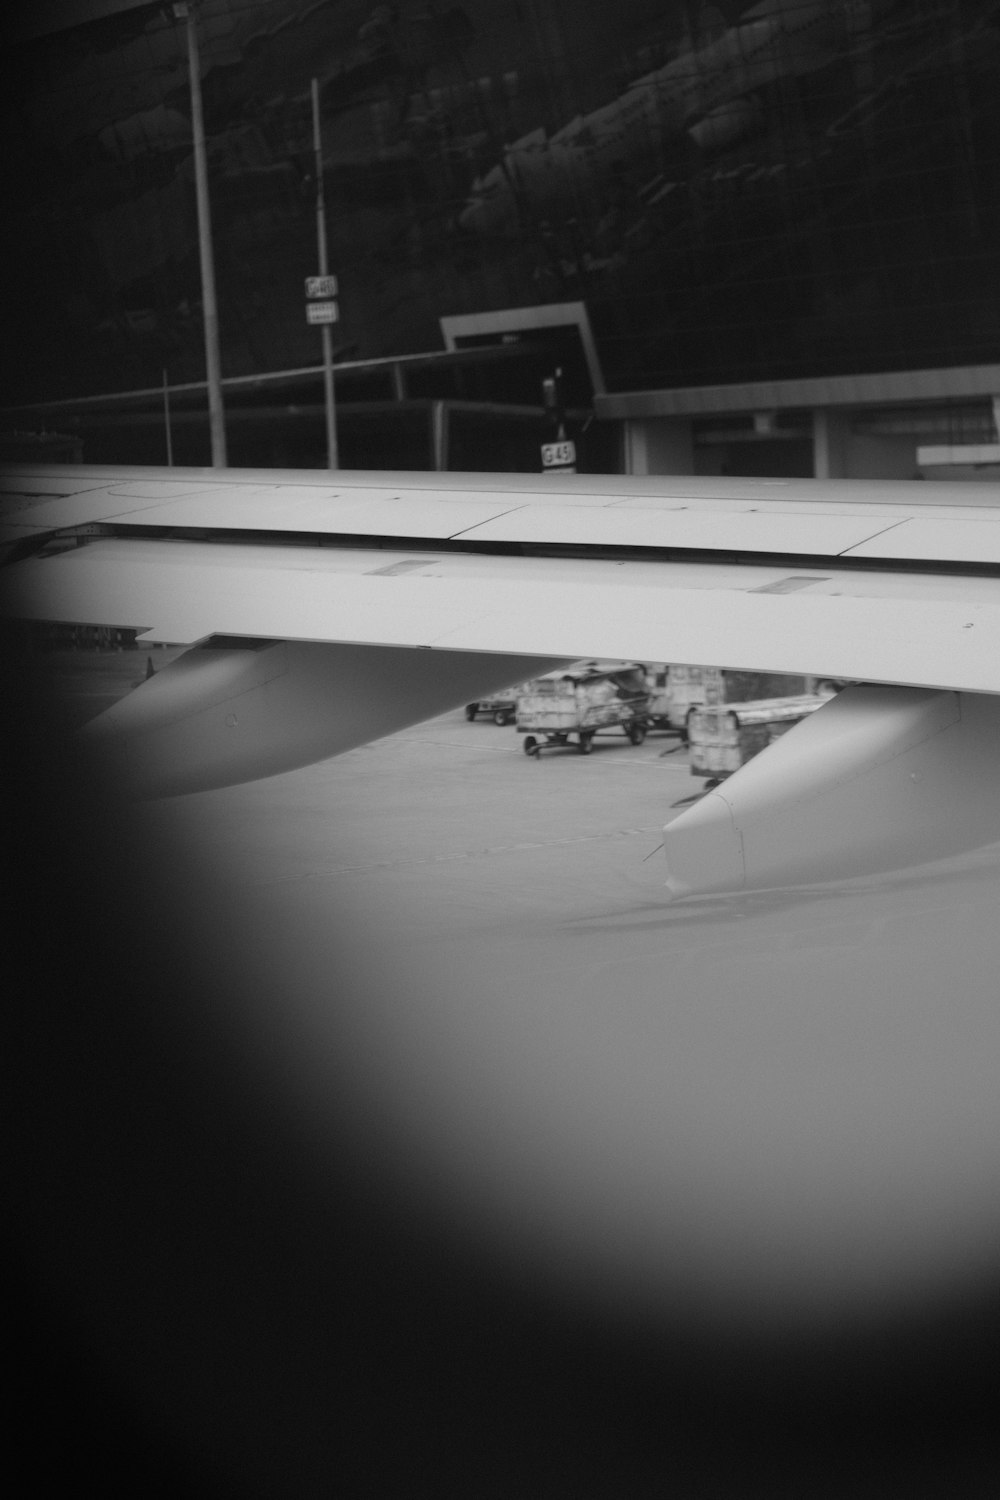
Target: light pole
[[216, 416], [331, 415]]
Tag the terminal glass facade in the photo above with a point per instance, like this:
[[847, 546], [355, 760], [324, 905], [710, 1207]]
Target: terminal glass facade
[[736, 192]]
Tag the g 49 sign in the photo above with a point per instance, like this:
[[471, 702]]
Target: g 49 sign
[[561, 455]]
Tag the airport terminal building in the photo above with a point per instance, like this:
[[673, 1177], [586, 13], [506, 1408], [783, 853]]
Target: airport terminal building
[[755, 239]]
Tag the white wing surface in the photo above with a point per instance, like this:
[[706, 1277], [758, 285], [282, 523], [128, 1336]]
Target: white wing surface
[[886, 582]]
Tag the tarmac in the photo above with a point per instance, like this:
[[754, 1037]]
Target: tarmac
[[743, 1107], [455, 829], [739, 1106]]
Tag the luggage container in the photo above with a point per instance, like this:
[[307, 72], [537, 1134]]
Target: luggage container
[[675, 689], [593, 698], [724, 736]]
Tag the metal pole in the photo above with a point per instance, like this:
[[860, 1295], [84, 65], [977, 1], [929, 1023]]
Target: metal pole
[[440, 425], [216, 416], [166, 420], [331, 413]]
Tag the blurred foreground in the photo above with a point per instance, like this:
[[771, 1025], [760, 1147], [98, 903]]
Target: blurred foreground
[[381, 1131]]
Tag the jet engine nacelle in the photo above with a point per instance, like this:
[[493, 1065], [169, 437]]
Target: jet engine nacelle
[[226, 713], [879, 778]]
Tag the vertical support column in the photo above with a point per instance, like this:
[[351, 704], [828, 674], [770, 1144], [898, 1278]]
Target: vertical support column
[[658, 445], [166, 421], [440, 419], [829, 444]]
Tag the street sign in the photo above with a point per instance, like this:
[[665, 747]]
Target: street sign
[[321, 286], [558, 455], [322, 312]]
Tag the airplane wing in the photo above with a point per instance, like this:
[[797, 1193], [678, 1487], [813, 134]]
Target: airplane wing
[[748, 1142], [884, 582], [337, 607]]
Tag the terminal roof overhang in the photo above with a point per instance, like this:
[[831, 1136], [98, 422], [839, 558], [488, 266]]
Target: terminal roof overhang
[[890, 387], [395, 369]]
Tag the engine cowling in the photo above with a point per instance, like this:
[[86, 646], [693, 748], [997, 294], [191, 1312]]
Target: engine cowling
[[225, 713], [879, 778]]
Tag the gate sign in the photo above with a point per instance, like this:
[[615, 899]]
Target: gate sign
[[558, 455], [321, 286], [322, 312]]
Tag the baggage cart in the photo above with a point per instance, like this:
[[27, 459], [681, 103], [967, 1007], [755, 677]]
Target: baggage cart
[[575, 706], [724, 736], [675, 688], [501, 708]]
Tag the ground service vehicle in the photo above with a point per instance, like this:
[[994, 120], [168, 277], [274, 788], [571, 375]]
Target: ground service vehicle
[[501, 708], [591, 699]]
